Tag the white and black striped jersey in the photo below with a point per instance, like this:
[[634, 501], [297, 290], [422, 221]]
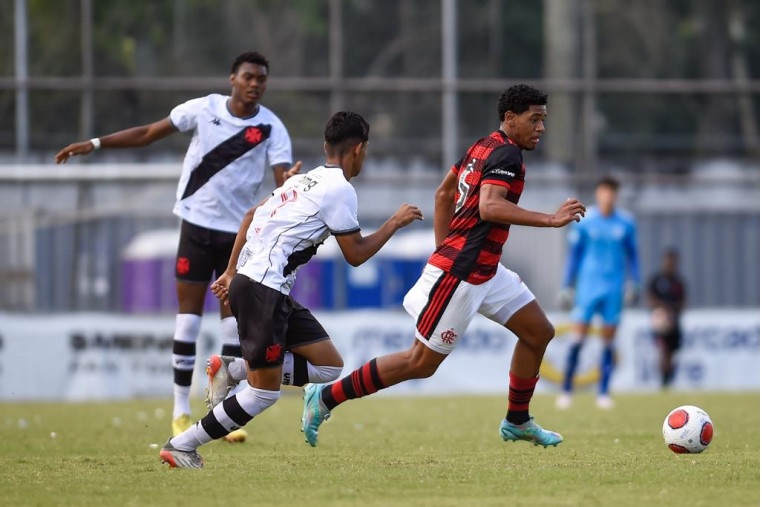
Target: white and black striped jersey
[[288, 228], [226, 160]]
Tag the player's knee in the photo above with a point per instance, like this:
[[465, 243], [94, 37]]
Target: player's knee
[[540, 337]]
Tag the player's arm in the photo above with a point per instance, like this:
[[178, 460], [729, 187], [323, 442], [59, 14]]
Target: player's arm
[[653, 298], [631, 249], [129, 138], [282, 172], [444, 206], [220, 285], [357, 248], [494, 207]]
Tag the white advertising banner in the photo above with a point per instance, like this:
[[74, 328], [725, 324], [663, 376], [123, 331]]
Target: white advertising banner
[[99, 356]]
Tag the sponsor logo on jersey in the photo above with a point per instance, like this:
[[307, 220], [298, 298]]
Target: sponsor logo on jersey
[[215, 121]]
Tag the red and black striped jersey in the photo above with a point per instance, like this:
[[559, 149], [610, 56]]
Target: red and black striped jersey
[[473, 247]]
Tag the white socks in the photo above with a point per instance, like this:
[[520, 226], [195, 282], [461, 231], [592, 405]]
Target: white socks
[[187, 327]]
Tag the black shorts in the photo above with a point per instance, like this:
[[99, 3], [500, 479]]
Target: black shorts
[[270, 322], [671, 340], [202, 253]]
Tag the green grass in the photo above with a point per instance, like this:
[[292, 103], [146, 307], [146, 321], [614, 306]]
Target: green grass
[[384, 451]]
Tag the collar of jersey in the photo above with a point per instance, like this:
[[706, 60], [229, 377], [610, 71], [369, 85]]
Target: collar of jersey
[[256, 112]]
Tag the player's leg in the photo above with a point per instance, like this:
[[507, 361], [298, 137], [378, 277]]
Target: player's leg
[[510, 302], [379, 373], [584, 309], [262, 314], [221, 249], [312, 358], [443, 306], [193, 270], [669, 344], [311, 355], [611, 312]]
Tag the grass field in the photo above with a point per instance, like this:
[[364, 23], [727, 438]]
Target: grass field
[[384, 451]]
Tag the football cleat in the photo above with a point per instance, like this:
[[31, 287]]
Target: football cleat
[[564, 401], [180, 424], [176, 458], [529, 431], [220, 380], [236, 436], [604, 402], [315, 412]]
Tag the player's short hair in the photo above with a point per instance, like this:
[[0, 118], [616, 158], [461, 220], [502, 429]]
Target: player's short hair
[[346, 127], [609, 182], [249, 57], [518, 98]]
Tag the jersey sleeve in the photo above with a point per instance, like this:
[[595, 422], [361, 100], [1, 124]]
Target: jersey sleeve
[[456, 166], [340, 212], [502, 167], [279, 145], [185, 116]]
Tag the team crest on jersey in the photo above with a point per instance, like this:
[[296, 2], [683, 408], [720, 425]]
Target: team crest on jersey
[[215, 121], [253, 135], [272, 353], [448, 336], [183, 265]]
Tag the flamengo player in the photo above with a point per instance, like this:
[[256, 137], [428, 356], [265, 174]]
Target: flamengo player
[[234, 139], [475, 206], [283, 233]]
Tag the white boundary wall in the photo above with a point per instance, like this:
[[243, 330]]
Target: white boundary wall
[[105, 356]]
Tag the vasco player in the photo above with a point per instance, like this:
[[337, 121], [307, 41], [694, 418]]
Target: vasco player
[[282, 234], [475, 206], [234, 139]]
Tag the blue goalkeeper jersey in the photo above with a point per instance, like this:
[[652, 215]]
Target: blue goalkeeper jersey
[[603, 253]]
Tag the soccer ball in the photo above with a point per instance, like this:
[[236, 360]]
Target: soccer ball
[[687, 429]]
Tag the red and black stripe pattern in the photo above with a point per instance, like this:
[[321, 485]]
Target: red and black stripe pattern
[[439, 297], [520, 392], [361, 382], [473, 247]]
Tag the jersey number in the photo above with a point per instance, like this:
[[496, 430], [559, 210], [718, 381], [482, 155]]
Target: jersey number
[[463, 186]]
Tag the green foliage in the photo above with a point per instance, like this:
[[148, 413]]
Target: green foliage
[[385, 451]]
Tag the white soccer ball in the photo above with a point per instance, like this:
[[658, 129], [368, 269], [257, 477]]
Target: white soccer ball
[[687, 429]]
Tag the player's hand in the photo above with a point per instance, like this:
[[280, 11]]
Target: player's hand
[[293, 171], [631, 295], [566, 298], [82, 148], [570, 211], [220, 286], [405, 215]]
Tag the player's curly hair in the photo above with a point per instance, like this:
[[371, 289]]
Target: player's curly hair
[[249, 57], [518, 98], [346, 126]]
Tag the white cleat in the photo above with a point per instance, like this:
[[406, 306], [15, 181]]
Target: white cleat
[[221, 382], [564, 401], [604, 402]]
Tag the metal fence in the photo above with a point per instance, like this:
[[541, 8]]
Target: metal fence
[[66, 253]]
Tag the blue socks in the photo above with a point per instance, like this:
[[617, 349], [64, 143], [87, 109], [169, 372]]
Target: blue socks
[[571, 365], [607, 367]]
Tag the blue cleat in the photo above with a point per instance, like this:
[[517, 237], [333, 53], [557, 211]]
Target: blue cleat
[[314, 413], [529, 431]]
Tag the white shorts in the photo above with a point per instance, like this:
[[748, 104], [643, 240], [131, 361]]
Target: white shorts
[[444, 305]]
